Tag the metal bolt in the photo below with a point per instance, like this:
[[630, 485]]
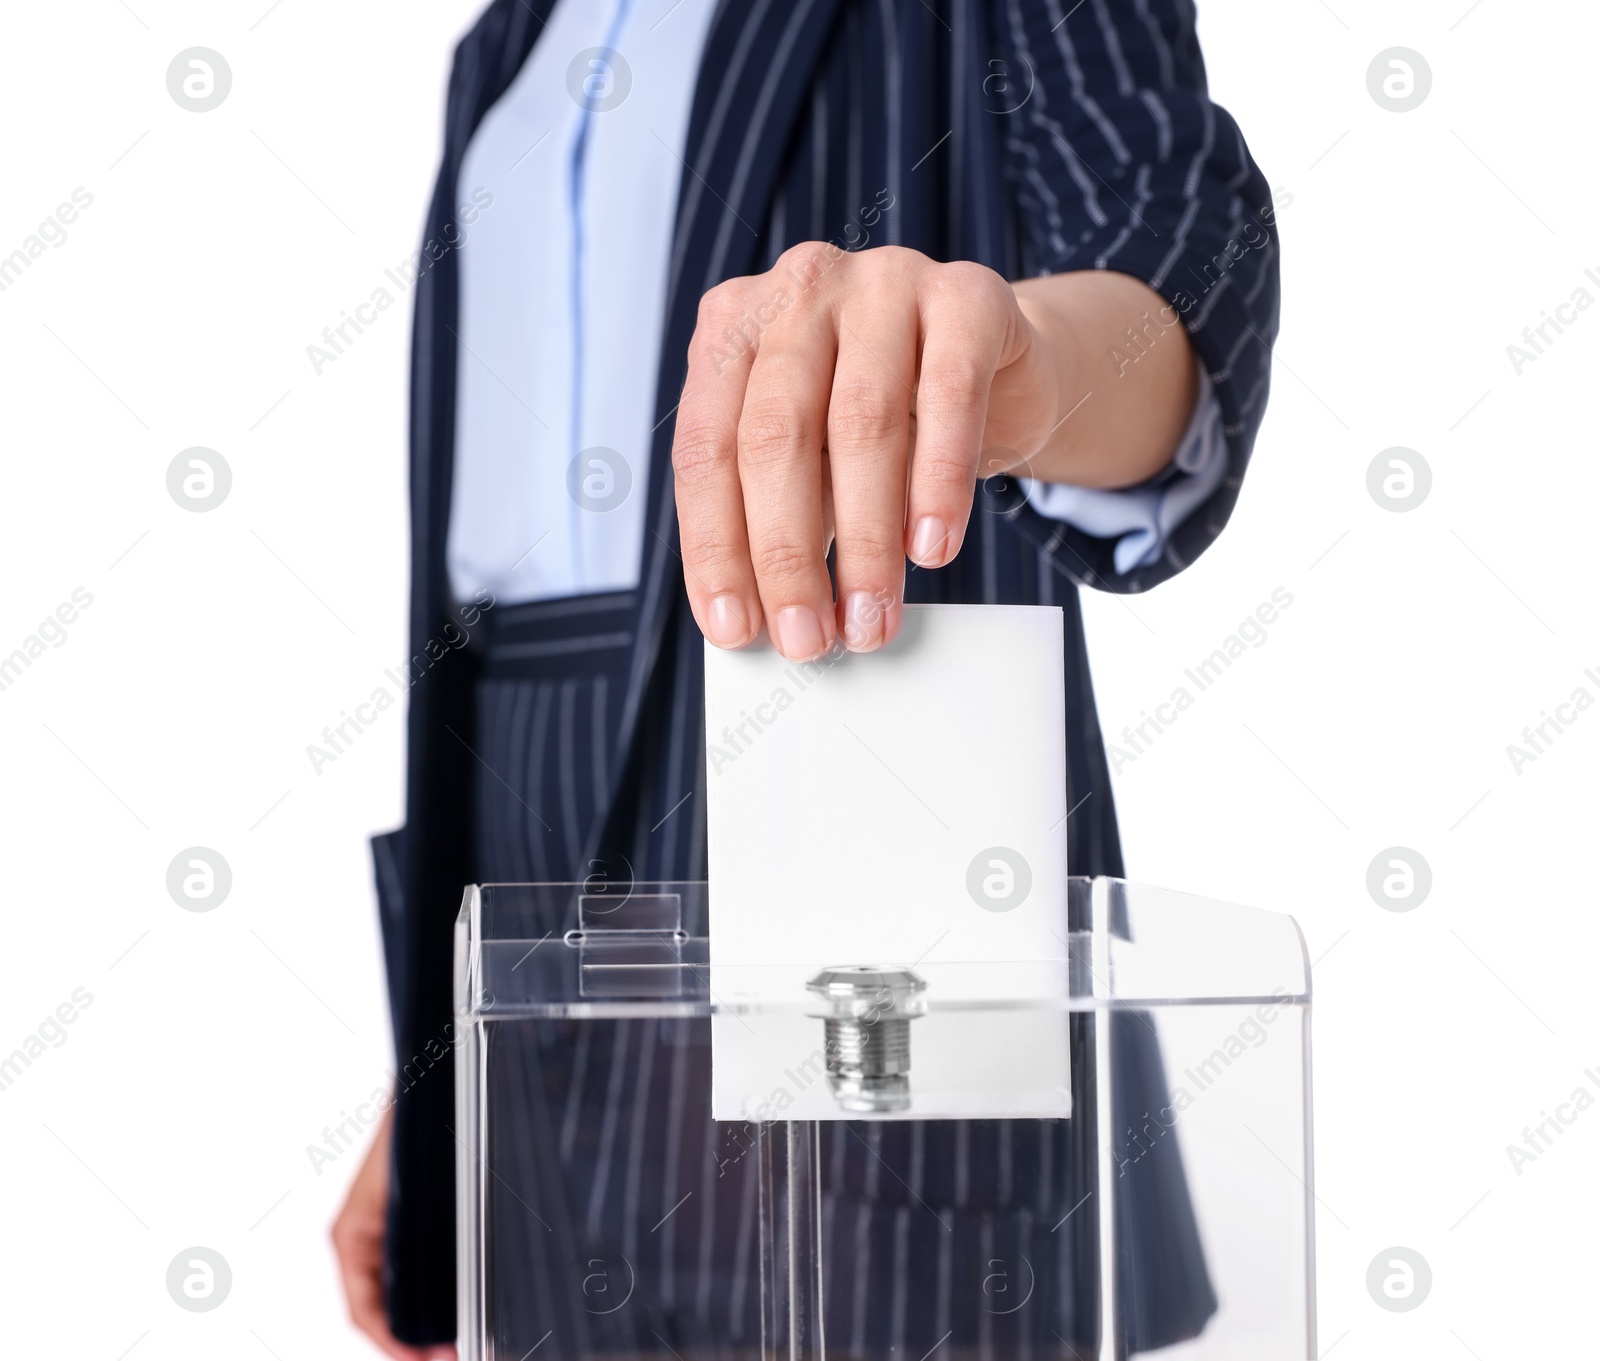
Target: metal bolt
[[867, 1028]]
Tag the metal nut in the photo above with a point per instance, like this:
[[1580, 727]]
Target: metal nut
[[867, 1015]]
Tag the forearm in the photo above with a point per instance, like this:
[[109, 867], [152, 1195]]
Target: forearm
[[1123, 401]]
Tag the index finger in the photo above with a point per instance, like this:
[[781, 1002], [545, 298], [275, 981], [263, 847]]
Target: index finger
[[717, 574]]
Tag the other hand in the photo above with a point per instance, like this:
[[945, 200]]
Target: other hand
[[358, 1240]]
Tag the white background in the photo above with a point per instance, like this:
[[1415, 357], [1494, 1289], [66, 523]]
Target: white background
[[177, 713]]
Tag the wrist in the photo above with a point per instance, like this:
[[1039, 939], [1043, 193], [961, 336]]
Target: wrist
[[1121, 402]]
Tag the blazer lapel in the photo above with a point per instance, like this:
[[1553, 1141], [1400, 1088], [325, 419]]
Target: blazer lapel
[[755, 74]]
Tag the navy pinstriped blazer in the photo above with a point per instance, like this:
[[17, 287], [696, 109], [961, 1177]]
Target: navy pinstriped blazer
[[1034, 136]]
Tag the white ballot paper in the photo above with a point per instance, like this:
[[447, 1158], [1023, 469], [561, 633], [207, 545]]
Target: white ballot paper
[[900, 814]]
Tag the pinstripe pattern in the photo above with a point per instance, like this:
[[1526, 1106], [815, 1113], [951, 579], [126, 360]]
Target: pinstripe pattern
[[674, 1217], [1031, 135]]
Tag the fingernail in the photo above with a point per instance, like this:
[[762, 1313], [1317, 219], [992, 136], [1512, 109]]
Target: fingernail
[[928, 543], [863, 622], [728, 624], [799, 633]]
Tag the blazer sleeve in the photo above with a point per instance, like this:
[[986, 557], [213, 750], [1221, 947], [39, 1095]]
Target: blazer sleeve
[[1118, 159]]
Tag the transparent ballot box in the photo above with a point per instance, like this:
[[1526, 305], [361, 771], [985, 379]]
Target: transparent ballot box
[[1099, 1155]]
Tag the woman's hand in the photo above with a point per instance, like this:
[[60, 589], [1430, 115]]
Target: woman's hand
[[859, 397], [358, 1235]]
